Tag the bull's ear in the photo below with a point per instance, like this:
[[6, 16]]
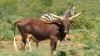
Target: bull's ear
[[71, 22]]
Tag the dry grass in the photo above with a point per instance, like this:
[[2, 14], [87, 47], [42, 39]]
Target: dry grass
[[65, 48]]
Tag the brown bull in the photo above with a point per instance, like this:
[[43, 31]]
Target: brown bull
[[41, 30]]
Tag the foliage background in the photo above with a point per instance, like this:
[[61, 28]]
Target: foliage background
[[12, 10], [85, 29]]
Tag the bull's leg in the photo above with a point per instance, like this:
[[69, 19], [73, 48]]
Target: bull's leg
[[23, 44], [28, 45], [53, 45], [37, 44], [24, 37], [29, 42]]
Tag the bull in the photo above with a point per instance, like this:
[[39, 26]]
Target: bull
[[41, 30]]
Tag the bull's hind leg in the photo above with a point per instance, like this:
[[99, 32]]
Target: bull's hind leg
[[24, 37], [23, 44]]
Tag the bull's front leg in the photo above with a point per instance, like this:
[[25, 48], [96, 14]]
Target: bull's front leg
[[28, 44], [53, 45]]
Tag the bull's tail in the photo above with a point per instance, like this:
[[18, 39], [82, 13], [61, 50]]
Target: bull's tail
[[15, 45], [15, 26]]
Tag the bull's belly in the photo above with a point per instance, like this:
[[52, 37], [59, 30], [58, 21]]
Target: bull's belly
[[41, 36]]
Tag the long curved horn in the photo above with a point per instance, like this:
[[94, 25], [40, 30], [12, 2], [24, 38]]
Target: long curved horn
[[60, 18], [75, 15]]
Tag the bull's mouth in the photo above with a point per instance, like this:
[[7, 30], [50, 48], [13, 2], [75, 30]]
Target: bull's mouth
[[66, 32]]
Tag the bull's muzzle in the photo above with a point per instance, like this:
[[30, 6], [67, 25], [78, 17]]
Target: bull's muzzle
[[66, 32]]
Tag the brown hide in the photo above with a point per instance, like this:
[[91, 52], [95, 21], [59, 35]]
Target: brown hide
[[54, 30]]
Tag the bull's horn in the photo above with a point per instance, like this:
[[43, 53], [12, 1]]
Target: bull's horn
[[60, 18], [75, 15]]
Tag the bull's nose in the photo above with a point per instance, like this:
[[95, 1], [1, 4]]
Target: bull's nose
[[66, 32]]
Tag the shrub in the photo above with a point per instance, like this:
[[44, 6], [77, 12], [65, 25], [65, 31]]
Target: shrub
[[91, 52], [47, 3], [82, 22], [12, 10], [8, 35], [61, 53]]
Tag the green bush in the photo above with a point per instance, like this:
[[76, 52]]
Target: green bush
[[8, 7], [12, 10], [8, 35], [46, 2], [61, 53], [91, 52], [83, 23]]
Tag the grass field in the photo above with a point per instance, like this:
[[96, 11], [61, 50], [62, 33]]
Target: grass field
[[84, 34], [81, 44], [84, 42]]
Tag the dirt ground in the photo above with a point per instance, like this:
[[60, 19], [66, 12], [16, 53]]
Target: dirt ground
[[45, 43], [7, 46]]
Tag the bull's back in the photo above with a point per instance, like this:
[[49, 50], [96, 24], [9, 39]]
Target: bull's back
[[39, 29]]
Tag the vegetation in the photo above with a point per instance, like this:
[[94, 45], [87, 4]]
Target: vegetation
[[87, 24], [12, 10]]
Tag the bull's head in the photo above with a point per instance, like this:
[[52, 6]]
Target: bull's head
[[67, 21], [64, 25]]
